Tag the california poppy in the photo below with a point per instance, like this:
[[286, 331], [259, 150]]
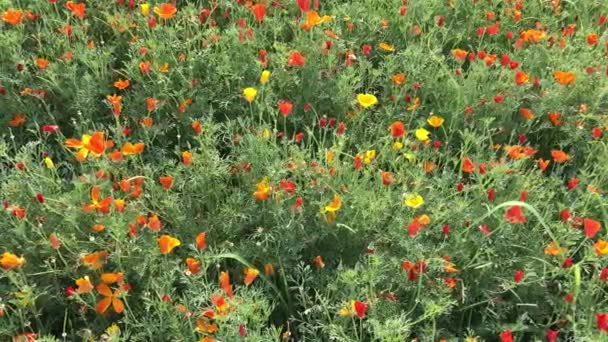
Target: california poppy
[[9, 260], [259, 12], [262, 190], [93, 145], [166, 181], [285, 107], [601, 247], [12, 16], [201, 241], [249, 94], [250, 275], [397, 129], [167, 243], [17, 120], [564, 77], [95, 260], [366, 100], [84, 285], [110, 299], [521, 78], [515, 215], [130, 149], [122, 84], [187, 158], [97, 204], [76, 9], [559, 156], [296, 59], [194, 266], [165, 10], [591, 227]]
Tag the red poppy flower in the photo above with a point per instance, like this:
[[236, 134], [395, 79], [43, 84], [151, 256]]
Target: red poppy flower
[[591, 227], [296, 59]]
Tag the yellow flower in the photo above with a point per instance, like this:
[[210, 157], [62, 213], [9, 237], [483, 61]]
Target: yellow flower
[[49, 163], [369, 156], [397, 145], [329, 156], [386, 47], [366, 100], [264, 77], [435, 121], [266, 134], [422, 134], [250, 94], [413, 201], [409, 156], [145, 9]]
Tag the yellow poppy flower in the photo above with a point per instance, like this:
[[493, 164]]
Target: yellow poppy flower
[[422, 134], [250, 94], [366, 100], [413, 201]]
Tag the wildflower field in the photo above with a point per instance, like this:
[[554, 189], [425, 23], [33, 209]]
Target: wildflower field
[[304, 170]]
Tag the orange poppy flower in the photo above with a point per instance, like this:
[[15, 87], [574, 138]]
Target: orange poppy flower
[[111, 278], [122, 84], [564, 77], [459, 54], [318, 262], [543, 164], [95, 260], [111, 299], [144, 67], [521, 78], [194, 266], [154, 223], [146, 121], [167, 243], [76, 9], [115, 155], [151, 104], [17, 120], [93, 145], [187, 158], [119, 204], [555, 118], [10, 260], [313, 19], [102, 206], [84, 285], [166, 181], [467, 165], [250, 275], [98, 227], [197, 127], [116, 103], [225, 284], [165, 10], [42, 63], [262, 190], [130, 149], [203, 326], [601, 247], [553, 249], [526, 113], [201, 240], [398, 79], [559, 156], [532, 36], [12, 17], [269, 269]]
